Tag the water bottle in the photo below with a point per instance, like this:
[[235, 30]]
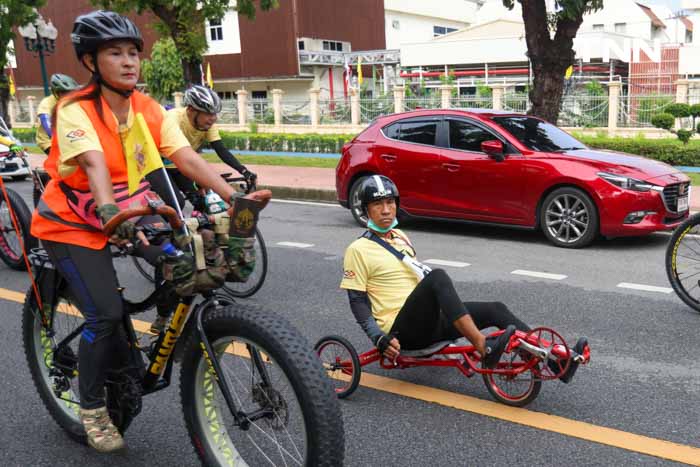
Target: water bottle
[[170, 250], [213, 203]]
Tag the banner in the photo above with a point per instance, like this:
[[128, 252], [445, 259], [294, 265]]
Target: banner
[[142, 156]]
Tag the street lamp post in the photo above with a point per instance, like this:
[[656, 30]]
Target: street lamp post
[[40, 38]]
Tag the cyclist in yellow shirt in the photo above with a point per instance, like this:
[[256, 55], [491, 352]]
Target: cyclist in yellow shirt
[[60, 85], [197, 121]]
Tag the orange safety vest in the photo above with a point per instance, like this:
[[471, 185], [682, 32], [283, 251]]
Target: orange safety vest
[[53, 219]]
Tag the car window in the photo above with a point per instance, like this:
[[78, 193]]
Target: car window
[[538, 135], [392, 131], [467, 136], [418, 132]]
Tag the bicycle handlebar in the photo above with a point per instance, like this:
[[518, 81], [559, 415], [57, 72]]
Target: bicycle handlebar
[[165, 211]]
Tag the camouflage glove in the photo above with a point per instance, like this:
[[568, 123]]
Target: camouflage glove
[[124, 231]]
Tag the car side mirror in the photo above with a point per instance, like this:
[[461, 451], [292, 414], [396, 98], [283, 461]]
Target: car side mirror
[[494, 148]]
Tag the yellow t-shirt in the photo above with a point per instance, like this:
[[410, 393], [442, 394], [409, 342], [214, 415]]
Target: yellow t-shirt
[[76, 135], [369, 267], [45, 107], [196, 137]]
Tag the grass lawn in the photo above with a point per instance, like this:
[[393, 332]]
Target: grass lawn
[[285, 161], [694, 178]]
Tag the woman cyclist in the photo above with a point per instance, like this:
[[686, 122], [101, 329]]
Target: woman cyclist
[[197, 121], [88, 155]]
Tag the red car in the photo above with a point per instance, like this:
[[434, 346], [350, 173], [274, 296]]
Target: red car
[[486, 166]]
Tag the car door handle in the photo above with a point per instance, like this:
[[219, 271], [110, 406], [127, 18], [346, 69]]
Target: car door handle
[[388, 157], [451, 167]]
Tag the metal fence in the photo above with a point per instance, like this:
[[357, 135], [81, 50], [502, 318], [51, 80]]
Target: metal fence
[[471, 102], [584, 110], [260, 111], [229, 111], [373, 108], [334, 111], [638, 110], [515, 102], [424, 102]]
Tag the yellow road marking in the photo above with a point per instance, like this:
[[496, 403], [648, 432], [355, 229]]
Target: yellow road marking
[[556, 424]]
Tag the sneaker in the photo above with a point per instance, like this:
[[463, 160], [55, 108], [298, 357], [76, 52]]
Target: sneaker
[[102, 435], [573, 366], [495, 347], [159, 324]]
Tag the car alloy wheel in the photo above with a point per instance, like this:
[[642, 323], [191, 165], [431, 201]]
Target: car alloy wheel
[[569, 218], [355, 203]]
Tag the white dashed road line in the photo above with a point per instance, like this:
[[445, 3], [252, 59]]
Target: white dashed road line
[[646, 288], [308, 203], [540, 275], [296, 245], [444, 262]]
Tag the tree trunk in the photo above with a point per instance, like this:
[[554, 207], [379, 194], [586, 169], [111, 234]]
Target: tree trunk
[[547, 89], [192, 71]]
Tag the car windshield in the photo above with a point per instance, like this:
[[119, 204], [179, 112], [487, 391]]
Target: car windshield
[[538, 135]]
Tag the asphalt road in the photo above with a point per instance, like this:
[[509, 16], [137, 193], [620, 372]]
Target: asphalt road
[[644, 377]]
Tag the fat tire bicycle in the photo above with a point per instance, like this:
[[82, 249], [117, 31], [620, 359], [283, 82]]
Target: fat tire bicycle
[[683, 261], [236, 289], [252, 391]]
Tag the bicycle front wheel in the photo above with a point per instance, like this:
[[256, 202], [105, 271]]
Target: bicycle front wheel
[[287, 411], [683, 261], [257, 277], [11, 239]]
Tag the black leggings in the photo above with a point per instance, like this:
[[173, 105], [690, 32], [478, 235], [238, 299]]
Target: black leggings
[[93, 285], [429, 312], [179, 182]]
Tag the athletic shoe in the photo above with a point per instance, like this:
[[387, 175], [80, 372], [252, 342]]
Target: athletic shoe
[[573, 366], [102, 435], [495, 347]]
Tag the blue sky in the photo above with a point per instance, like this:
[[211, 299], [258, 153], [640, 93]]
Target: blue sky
[[672, 4]]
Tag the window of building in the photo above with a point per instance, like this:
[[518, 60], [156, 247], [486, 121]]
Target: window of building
[[467, 136], [442, 30], [621, 28], [598, 27], [301, 45], [419, 132], [216, 30], [688, 36], [333, 45], [259, 95], [226, 95]]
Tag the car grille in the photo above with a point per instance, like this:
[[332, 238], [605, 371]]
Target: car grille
[[672, 193]]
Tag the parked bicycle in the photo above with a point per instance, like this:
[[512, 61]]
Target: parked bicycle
[[252, 391]]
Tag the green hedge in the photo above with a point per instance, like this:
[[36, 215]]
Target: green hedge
[[670, 151], [284, 142], [25, 135]]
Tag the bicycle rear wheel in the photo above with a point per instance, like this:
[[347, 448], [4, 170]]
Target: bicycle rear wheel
[[10, 244], [257, 278], [292, 414], [683, 261], [54, 369]]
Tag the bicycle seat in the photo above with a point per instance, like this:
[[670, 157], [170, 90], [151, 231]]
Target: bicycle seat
[[428, 351]]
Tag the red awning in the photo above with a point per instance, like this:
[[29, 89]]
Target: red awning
[[687, 23], [652, 16]]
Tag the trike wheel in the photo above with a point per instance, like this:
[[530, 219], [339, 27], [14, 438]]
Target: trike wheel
[[341, 363], [516, 390]]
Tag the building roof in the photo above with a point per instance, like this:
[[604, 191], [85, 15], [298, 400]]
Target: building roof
[[687, 23], [652, 16]]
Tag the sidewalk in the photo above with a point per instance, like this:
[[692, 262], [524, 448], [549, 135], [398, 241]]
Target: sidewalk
[[315, 184]]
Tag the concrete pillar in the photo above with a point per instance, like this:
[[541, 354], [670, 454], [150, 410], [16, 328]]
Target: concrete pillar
[[277, 106], [682, 91], [314, 110], [12, 111], [445, 95], [355, 106], [498, 91], [614, 88], [31, 107], [242, 98], [178, 98], [399, 92]]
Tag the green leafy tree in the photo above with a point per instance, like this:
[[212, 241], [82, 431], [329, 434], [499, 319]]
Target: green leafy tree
[[550, 48], [13, 13], [183, 21], [163, 72]]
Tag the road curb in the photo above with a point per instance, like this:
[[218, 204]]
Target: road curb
[[302, 194]]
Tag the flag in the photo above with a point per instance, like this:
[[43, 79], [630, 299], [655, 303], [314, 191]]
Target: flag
[[359, 71], [569, 72], [13, 90], [348, 73], [210, 81], [142, 156]]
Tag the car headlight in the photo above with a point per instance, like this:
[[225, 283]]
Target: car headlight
[[629, 183]]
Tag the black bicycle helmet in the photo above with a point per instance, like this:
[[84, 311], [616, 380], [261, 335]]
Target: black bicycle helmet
[[203, 99], [61, 84], [97, 27], [377, 187]]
